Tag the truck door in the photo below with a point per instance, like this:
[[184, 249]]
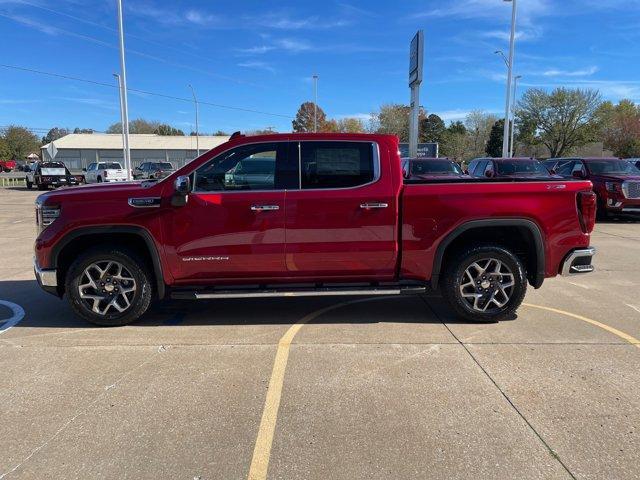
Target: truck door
[[233, 225], [341, 222]]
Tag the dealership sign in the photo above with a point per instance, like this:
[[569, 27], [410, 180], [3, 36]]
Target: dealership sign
[[425, 150]]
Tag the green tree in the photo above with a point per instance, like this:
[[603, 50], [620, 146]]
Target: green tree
[[455, 142], [54, 134], [5, 153], [19, 141], [167, 130], [432, 129], [83, 130], [619, 127], [563, 119], [496, 137], [139, 125], [350, 125], [478, 124], [304, 121], [217, 133], [394, 119]]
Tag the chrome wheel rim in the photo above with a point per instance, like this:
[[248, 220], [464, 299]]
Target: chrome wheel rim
[[487, 285], [106, 287]]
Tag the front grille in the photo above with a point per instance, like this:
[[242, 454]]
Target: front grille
[[631, 189]]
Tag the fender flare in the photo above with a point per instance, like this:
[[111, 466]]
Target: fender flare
[[531, 226], [108, 229]]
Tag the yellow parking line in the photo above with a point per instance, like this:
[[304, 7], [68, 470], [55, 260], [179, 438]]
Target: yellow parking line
[[615, 331], [262, 449]]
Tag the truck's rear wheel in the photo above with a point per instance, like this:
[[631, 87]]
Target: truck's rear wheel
[[485, 284], [109, 286]]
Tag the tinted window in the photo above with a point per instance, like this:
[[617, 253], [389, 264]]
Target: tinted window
[[164, 166], [336, 164], [565, 169], [250, 167], [521, 167], [480, 167], [434, 167], [600, 167]]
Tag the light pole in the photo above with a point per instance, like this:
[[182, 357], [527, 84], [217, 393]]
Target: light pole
[[125, 139], [513, 111], [505, 140], [315, 103], [123, 93], [195, 100]]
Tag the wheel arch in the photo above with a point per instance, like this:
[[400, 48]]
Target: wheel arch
[[137, 238], [534, 243]]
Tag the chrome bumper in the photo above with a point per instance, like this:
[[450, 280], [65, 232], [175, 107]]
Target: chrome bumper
[[45, 277], [578, 262]]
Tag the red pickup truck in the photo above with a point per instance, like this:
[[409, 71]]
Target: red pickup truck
[[309, 215]]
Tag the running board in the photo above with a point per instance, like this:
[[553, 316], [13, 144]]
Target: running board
[[317, 292]]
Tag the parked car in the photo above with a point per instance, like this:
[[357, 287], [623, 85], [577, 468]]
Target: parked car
[[635, 162], [616, 182], [50, 174], [335, 218], [430, 168], [7, 165], [105, 172], [153, 170], [554, 163], [508, 168]]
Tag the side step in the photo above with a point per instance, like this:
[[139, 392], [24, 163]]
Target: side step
[[205, 294]]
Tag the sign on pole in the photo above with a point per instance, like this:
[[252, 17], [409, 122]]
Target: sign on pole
[[52, 150], [416, 55]]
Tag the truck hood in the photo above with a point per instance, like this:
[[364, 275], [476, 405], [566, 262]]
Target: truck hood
[[615, 178], [101, 192]]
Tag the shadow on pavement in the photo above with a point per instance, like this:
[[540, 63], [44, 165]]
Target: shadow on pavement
[[46, 311]]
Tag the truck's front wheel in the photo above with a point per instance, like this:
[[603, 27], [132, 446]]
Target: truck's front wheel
[[485, 283], [109, 286]]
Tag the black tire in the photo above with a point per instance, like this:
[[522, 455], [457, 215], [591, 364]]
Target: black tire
[[99, 180], [139, 301], [455, 274], [29, 185], [602, 213]]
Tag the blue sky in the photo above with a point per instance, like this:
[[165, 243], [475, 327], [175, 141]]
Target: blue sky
[[260, 55]]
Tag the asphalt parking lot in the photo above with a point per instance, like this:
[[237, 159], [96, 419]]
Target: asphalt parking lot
[[323, 388]]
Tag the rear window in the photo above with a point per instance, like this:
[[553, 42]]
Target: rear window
[[110, 166], [434, 167], [336, 164], [603, 167], [164, 166]]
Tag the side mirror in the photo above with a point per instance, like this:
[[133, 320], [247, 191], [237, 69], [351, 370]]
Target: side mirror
[[182, 188]]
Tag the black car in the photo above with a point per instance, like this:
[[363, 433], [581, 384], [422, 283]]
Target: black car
[[635, 162], [153, 170], [50, 174]]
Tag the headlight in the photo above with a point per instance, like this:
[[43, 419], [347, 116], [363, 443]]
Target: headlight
[[46, 215]]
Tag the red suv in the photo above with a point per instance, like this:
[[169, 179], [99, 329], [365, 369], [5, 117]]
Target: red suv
[[615, 181]]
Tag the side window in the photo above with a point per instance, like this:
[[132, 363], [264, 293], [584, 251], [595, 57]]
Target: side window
[[488, 168], [565, 169], [249, 167], [336, 164], [577, 167], [480, 166], [471, 168], [91, 167]]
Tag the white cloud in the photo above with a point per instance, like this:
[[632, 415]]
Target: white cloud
[[523, 34], [365, 117], [293, 45], [258, 65], [487, 9], [586, 72], [279, 21], [200, 18]]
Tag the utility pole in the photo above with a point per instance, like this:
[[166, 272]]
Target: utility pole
[[416, 53], [315, 103], [513, 111], [125, 139], [123, 93], [195, 100], [505, 140]]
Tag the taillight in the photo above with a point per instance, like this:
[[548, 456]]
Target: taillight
[[587, 204]]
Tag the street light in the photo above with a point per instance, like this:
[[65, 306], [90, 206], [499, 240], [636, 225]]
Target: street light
[[125, 139], [123, 92], [504, 57], [513, 111], [195, 100], [505, 140], [315, 103]]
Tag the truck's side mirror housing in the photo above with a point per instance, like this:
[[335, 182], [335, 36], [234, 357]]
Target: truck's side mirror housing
[[182, 188]]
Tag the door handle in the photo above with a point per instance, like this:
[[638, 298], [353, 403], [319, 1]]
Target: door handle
[[264, 208], [369, 206]]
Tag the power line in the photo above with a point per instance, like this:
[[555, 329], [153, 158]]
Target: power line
[[143, 92]]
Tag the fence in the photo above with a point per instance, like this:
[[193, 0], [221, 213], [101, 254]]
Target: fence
[[12, 181]]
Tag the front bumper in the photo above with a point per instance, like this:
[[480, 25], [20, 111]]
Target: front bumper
[[578, 262], [47, 278]]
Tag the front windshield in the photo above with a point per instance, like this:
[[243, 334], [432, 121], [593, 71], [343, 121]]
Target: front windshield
[[521, 167], [612, 167], [434, 167]]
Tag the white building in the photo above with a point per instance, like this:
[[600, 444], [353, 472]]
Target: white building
[[77, 150]]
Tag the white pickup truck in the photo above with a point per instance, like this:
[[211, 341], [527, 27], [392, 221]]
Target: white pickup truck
[[105, 172]]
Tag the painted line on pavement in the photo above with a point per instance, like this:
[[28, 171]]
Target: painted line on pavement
[[625, 336], [18, 314], [262, 449]]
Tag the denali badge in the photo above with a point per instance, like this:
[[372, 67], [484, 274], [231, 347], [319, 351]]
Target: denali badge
[[144, 202], [204, 259]]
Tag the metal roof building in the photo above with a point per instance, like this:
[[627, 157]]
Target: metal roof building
[[78, 150]]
